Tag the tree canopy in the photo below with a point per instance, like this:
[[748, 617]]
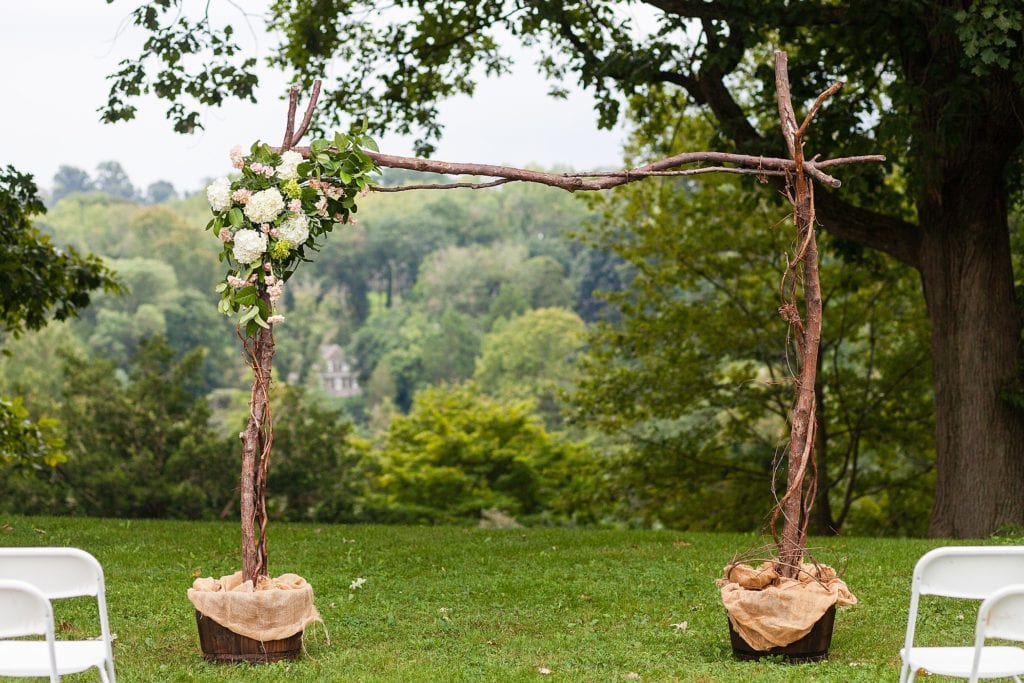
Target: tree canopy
[[940, 95], [38, 282]]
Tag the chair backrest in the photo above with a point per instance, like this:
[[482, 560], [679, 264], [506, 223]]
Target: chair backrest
[[57, 572], [973, 572], [26, 611], [1002, 615]]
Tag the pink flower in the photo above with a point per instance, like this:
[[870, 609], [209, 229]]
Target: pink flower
[[225, 235], [295, 206], [339, 218], [274, 232], [321, 207], [235, 282], [268, 267], [236, 157], [261, 169], [265, 228], [241, 196], [274, 319]]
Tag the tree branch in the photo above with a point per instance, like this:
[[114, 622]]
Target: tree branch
[[846, 221], [603, 180], [308, 116], [289, 125], [802, 13]]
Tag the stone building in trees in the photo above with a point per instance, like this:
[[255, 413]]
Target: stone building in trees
[[337, 375]]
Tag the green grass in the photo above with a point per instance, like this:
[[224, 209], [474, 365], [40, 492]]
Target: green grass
[[454, 604]]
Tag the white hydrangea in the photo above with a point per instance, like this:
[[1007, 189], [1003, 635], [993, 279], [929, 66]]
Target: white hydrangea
[[219, 194], [294, 229], [288, 170], [264, 206], [250, 245]]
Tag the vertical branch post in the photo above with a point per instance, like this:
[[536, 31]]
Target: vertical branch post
[[795, 505]]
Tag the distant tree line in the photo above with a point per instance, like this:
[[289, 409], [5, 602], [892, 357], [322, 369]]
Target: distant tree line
[[111, 179]]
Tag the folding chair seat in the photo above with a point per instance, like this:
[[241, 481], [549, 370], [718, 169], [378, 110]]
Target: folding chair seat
[[59, 573], [992, 574], [26, 612]]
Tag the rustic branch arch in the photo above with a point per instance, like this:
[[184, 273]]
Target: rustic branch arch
[[797, 174]]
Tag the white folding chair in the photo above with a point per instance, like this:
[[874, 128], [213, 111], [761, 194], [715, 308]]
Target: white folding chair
[[1001, 616], [26, 612], [966, 572], [64, 573]]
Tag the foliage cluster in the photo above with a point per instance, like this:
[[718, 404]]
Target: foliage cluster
[[941, 99], [696, 376], [466, 317], [102, 374]]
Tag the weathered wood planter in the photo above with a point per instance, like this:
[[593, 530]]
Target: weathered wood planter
[[811, 648], [219, 644]]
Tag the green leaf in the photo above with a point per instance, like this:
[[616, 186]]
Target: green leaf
[[246, 296], [221, 287], [235, 217], [249, 315]]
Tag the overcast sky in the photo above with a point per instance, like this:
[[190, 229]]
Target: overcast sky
[[57, 53]]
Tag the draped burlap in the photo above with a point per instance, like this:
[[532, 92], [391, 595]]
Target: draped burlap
[[770, 611], [273, 610]]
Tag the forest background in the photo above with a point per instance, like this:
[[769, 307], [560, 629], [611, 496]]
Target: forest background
[[611, 360]]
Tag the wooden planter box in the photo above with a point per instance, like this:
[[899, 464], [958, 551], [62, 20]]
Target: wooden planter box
[[219, 644], [811, 648]]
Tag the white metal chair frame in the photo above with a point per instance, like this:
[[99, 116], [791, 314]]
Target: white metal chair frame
[[65, 573], [974, 573], [26, 612], [1001, 616]]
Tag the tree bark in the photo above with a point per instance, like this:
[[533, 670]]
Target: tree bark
[[255, 450], [795, 505], [967, 277]]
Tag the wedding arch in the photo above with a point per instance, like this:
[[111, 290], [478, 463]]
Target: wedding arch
[[289, 196]]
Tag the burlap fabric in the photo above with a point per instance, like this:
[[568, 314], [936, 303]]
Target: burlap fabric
[[273, 610], [770, 611]]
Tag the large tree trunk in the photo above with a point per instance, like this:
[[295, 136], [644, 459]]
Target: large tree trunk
[[968, 285]]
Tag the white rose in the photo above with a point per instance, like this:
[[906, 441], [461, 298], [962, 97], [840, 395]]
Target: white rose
[[288, 170], [264, 206], [219, 194], [294, 229], [250, 246]]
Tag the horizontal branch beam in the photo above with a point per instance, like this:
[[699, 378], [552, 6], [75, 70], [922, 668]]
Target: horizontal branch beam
[[603, 180]]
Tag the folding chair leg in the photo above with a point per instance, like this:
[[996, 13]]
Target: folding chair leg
[[104, 675]]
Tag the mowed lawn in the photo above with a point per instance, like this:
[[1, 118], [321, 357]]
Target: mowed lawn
[[470, 604]]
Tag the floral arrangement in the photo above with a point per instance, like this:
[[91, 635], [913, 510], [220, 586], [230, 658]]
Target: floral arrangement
[[270, 216]]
